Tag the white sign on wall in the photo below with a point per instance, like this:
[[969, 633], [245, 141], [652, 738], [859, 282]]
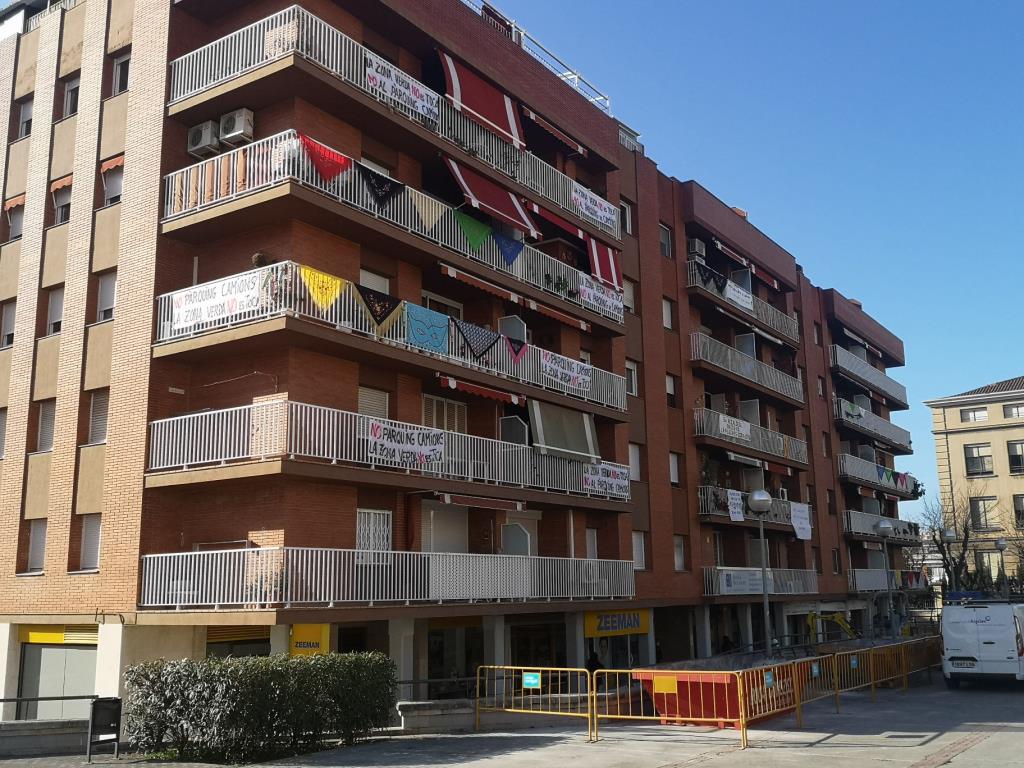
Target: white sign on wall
[[741, 297], [574, 374], [738, 429], [736, 506], [600, 296], [742, 581], [594, 206], [606, 479]]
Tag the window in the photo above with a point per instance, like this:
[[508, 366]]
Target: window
[[826, 445], [679, 552], [442, 413], [626, 217], [821, 387], [54, 310], [71, 96], [441, 304], [113, 181], [375, 165], [986, 563], [673, 468], [1011, 411], [816, 558], [973, 414], [978, 458], [7, 312], [668, 312], [98, 407], [665, 241], [121, 67], [1018, 508], [831, 501], [373, 534], [89, 559], [1015, 450], [47, 409], [62, 205], [585, 356], [3, 430], [373, 402], [629, 295], [817, 334], [634, 461], [15, 220], [632, 377], [374, 281], [837, 563], [591, 539], [670, 390], [106, 296], [25, 118], [639, 551], [983, 509], [36, 545], [810, 494]]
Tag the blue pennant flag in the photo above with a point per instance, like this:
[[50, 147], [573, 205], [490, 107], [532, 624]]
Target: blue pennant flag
[[510, 247]]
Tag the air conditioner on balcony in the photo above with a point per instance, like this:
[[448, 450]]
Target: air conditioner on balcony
[[696, 249], [236, 127], [202, 140]]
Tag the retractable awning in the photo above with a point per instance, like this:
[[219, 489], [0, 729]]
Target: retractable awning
[[559, 431], [563, 137], [14, 202], [482, 102], [476, 282], [61, 183], [114, 162], [483, 194], [557, 220], [481, 391], [604, 263]]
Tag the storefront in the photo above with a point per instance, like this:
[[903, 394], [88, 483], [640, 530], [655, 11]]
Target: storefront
[[618, 638], [56, 660], [224, 641]]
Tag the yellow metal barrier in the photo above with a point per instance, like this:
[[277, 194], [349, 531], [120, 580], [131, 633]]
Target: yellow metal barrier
[[534, 691]]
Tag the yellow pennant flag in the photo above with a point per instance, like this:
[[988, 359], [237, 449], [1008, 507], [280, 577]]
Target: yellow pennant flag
[[323, 289]]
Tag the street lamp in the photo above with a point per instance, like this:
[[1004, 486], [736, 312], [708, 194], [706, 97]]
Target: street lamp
[[1001, 545], [885, 529], [949, 536], [760, 502]]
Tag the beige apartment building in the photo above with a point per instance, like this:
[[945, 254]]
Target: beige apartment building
[[979, 453]]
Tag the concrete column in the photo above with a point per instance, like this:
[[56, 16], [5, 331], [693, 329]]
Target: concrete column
[[10, 663], [494, 640], [575, 642], [402, 650], [746, 617], [779, 624], [119, 646], [280, 638], [702, 620]]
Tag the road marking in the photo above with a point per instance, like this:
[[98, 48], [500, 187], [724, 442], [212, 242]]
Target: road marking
[[953, 749]]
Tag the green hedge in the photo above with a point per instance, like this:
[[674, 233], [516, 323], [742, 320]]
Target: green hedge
[[255, 708]]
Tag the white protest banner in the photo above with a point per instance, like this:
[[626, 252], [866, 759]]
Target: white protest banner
[[800, 514], [404, 444], [741, 297], [596, 295], [733, 427], [594, 206], [736, 506], [566, 371], [742, 581], [385, 78], [211, 302], [606, 479]]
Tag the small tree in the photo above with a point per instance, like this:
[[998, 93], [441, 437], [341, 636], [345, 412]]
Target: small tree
[[953, 513]]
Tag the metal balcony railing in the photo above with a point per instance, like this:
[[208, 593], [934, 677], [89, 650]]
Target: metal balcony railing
[[285, 428], [867, 375], [280, 289], [281, 158], [709, 350], [866, 524], [707, 279], [714, 502], [747, 581], [874, 580], [296, 31], [288, 576], [863, 420], [708, 423], [61, 5], [877, 476]]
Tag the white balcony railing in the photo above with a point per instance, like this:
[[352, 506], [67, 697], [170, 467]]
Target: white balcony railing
[[714, 502], [295, 31], [284, 428], [866, 524], [59, 5], [280, 289], [747, 581], [874, 580], [709, 350], [867, 375], [706, 279], [864, 421], [708, 423], [877, 476], [287, 576], [281, 158]]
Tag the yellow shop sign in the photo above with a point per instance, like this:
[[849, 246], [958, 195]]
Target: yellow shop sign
[[310, 640], [614, 623]]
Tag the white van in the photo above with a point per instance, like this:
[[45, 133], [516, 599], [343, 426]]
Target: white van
[[982, 640]]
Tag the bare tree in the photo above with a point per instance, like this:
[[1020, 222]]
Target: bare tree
[[953, 514]]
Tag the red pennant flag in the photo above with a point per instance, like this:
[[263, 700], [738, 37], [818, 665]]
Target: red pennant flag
[[327, 162]]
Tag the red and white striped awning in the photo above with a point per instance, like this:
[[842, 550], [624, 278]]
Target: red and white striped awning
[[604, 263], [14, 202], [62, 182], [114, 162], [480, 391], [563, 137], [485, 195], [557, 220], [482, 102], [754, 269], [449, 271]]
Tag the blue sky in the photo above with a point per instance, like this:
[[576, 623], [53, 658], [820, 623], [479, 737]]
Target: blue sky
[[880, 143]]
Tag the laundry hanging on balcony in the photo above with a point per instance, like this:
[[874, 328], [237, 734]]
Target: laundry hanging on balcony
[[483, 194], [564, 432], [426, 328], [328, 163], [382, 308], [480, 340], [509, 247], [323, 289], [563, 137], [476, 231], [482, 102], [383, 188]]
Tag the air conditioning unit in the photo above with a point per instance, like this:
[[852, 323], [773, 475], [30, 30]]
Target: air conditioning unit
[[236, 127], [696, 248], [202, 140]]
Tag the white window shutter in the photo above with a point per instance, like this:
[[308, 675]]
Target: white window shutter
[[90, 558], [373, 529], [441, 413], [639, 554], [373, 402]]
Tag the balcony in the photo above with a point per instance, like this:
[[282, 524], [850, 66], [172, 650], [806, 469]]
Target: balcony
[[292, 576], [706, 280], [714, 503], [874, 580], [868, 376], [863, 472], [747, 581], [708, 423], [280, 290], [281, 159], [867, 423], [864, 524], [296, 32], [263, 431], [705, 349]]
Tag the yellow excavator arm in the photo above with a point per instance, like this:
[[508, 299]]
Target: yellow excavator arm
[[836, 618]]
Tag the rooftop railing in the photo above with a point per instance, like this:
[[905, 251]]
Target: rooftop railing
[[37, 19]]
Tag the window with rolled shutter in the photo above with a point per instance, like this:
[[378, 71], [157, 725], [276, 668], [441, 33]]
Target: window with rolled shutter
[[3, 430], [36, 544], [46, 414], [442, 413], [373, 402], [90, 558], [98, 416]]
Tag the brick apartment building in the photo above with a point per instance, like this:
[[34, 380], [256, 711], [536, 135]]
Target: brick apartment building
[[350, 325]]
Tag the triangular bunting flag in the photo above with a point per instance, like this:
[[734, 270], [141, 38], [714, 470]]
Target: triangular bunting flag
[[430, 210], [382, 309], [510, 247], [517, 348], [478, 339], [327, 162], [323, 289], [881, 472], [476, 232], [383, 188]]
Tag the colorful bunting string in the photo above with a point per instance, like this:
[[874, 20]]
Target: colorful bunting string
[[476, 232], [327, 162], [382, 308]]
